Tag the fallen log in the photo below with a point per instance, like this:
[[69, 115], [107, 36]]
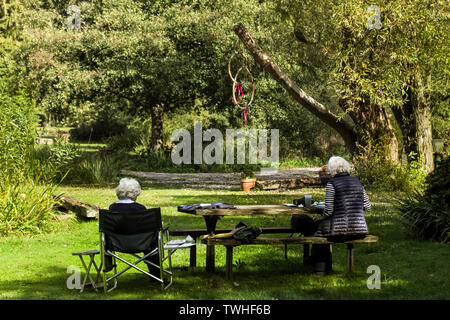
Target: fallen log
[[273, 184], [80, 207]]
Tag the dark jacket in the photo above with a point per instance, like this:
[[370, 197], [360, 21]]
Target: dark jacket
[[132, 207], [348, 214], [126, 207]]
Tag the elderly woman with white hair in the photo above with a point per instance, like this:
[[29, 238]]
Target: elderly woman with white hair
[[127, 192], [345, 203], [343, 217]]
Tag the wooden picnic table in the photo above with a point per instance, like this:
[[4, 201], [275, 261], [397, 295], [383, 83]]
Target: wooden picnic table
[[211, 217]]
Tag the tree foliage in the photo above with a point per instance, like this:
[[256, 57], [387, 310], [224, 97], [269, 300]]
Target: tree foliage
[[160, 58], [372, 69], [427, 213]]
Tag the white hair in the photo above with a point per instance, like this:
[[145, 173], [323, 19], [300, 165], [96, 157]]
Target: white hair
[[338, 165], [128, 189]]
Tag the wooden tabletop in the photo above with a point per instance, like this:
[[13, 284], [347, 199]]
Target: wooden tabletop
[[256, 209]]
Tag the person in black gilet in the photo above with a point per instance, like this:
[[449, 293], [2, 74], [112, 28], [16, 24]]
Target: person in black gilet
[[343, 217], [127, 192]]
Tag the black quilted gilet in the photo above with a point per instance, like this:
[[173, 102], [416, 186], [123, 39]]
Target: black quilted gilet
[[348, 215]]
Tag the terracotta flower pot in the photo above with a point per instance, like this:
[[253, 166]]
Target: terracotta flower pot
[[324, 173], [247, 184]]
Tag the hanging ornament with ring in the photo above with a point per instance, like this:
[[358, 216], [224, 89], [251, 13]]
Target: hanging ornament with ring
[[239, 88]]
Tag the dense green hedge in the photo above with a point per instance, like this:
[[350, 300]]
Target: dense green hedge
[[26, 203], [428, 213]]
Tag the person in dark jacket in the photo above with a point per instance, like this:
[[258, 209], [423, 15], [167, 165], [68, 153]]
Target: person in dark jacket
[[343, 217], [127, 192]]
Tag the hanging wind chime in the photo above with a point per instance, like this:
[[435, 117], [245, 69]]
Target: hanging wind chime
[[240, 87]]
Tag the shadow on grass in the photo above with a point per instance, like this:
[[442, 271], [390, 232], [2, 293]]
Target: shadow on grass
[[261, 274], [131, 285]]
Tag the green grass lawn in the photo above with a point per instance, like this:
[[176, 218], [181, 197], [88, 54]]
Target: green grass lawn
[[35, 267]]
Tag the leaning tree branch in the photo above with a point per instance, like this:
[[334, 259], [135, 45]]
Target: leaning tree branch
[[320, 111]]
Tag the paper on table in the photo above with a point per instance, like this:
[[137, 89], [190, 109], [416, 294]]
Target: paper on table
[[320, 205], [176, 242], [292, 205]]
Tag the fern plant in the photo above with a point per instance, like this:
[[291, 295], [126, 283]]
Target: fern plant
[[427, 213]]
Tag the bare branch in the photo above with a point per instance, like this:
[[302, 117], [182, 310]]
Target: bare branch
[[316, 108]]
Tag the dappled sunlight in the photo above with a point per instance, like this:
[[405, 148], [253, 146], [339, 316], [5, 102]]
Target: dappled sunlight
[[259, 272]]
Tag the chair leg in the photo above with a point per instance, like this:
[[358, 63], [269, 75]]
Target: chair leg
[[161, 261], [162, 258], [170, 271], [88, 272]]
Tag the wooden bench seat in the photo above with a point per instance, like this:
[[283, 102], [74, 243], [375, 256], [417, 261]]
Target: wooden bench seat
[[196, 233], [229, 243]]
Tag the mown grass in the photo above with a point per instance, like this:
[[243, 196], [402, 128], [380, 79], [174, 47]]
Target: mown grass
[[35, 267]]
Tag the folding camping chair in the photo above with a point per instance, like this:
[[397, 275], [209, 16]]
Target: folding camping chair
[[132, 233]]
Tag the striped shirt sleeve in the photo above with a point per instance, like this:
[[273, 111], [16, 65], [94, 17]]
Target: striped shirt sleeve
[[367, 204], [329, 200]]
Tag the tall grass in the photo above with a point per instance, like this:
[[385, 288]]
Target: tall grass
[[427, 213], [25, 207], [425, 217], [26, 202], [96, 169]]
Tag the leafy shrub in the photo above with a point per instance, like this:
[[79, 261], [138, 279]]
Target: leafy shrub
[[108, 123], [17, 132], [26, 204], [380, 174], [287, 162], [54, 162], [25, 207], [95, 169], [427, 213], [158, 160], [64, 162]]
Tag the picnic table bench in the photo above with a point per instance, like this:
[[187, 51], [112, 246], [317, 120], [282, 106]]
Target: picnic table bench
[[196, 233], [211, 217], [230, 243]]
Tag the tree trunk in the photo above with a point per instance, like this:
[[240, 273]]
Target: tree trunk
[[342, 127], [414, 119], [423, 136], [157, 114], [405, 119], [422, 123], [375, 132]]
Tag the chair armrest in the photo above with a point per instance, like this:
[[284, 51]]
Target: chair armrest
[[165, 230]]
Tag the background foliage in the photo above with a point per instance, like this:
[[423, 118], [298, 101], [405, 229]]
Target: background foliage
[[427, 213], [137, 70]]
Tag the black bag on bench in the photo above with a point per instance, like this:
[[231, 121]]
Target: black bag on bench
[[245, 233]]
